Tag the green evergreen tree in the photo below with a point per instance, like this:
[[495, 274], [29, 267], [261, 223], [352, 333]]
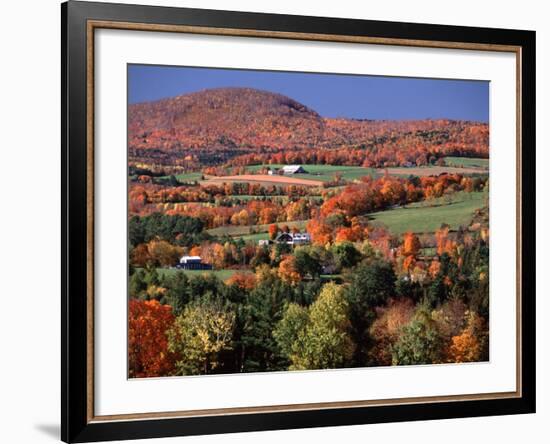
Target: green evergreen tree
[[345, 255], [419, 342], [372, 284], [177, 292], [261, 311], [306, 263]]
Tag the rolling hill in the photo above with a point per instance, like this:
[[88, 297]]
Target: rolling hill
[[226, 117], [212, 126]]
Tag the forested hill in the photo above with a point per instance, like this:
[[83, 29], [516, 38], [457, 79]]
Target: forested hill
[[229, 123], [227, 117]]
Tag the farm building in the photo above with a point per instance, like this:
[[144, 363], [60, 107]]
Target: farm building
[[293, 169], [293, 238], [193, 263]]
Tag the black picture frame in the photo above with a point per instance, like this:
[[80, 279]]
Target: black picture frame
[[76, 423]]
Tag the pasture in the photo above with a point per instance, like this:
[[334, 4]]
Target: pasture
[[185, 177], [247, 197], [468, 162], [220, 274], [427, 216], [255, 237], [252, 231], [324, 173], [429, 171]]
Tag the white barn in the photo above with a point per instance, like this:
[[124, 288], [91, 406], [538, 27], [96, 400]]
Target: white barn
[[293, 169], [190, 260], [193, 263]]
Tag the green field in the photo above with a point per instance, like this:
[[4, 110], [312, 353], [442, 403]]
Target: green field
[[432, 170], [275, 197], [185, 177], [324, 173], [220, 274], [245, 197], [468, 162], [251, 230], [428, 251], [420, 217], [427, 216], [255, 237]]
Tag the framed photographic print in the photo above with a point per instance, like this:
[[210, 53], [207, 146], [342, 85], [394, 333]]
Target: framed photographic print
[[276, 221]]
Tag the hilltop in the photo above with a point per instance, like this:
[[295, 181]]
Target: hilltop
[[227, 117]]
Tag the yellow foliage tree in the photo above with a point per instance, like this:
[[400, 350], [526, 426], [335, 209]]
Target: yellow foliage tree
[[317, 337], [200, 333], [163, 253]]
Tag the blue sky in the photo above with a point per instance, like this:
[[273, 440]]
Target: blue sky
[[331, 95]]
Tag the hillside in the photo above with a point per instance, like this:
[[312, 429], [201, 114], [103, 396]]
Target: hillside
[[225, 118], [248, 126]]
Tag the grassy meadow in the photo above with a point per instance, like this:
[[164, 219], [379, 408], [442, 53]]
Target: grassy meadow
[[468, 162], [325, 173], [427, 216], [251, 231], [220, 274], [185, 177]]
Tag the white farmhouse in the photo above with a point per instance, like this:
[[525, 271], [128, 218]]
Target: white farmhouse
[[293, 238]]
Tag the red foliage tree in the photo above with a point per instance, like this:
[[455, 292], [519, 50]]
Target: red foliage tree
[[246, 281], [148, 353], [273, 230]]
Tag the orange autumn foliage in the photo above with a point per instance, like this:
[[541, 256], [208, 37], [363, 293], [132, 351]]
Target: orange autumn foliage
[[409, 263], [245, 281], [321, 233], [350, 234], [468, 346], [259, 123], [411, 244], [195, 251], [147, 341], [464, 348], [444, 244], [157, 253], [288, 271], [435, 266], [273, 230]]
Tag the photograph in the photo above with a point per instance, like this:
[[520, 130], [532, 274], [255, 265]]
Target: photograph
[[283, 221]]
